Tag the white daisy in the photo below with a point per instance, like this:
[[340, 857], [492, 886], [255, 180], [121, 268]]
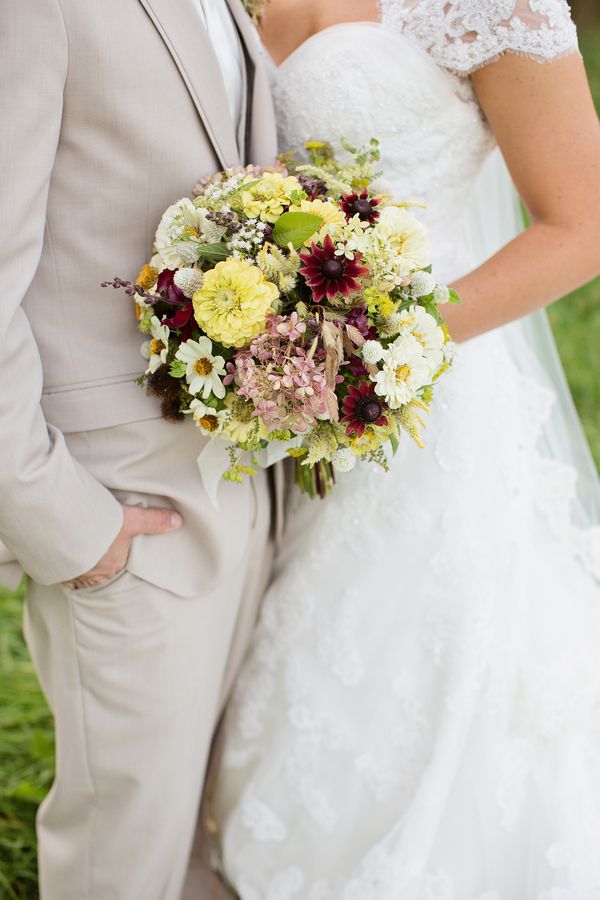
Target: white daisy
[[204, 371], [405, 369], [210, 421], [156, 350], [417, 321]]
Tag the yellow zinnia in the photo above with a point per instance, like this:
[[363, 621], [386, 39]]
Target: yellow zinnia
[[268, 198], [332, 215], [232, 304]]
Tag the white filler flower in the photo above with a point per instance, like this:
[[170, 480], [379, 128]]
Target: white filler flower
[[405, 370], [204, 371], [441, 293], [188, 281], [372, 352], [422, 283], [343, 460], [156, 350]]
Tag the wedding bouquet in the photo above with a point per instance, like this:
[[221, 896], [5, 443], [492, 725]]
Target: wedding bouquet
[[293, 307]]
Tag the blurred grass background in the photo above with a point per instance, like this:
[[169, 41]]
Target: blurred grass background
[[26, 744], [576, 319]]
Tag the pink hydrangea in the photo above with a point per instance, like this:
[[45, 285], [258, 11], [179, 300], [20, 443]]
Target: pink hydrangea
[[290, 327], [287, 387]]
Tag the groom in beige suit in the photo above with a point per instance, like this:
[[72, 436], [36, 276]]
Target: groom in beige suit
[[140, 594]]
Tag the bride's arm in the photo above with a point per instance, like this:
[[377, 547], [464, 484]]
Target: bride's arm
[[545, 123]]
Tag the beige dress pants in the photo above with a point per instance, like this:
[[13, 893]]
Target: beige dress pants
[[135, 674]]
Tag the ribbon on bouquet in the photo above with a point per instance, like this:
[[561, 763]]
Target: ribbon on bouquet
[[214, 461]]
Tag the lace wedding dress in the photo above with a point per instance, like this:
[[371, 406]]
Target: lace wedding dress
[[419, 714]]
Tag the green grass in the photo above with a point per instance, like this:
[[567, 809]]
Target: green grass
[[26, 750], [576, 319], [26, 755], [576, 324]]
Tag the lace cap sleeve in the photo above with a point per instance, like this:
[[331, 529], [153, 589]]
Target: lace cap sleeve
[[464, 35]]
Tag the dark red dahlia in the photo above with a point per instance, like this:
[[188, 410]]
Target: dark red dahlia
[[361, 205], [362, 407], [329, 275]]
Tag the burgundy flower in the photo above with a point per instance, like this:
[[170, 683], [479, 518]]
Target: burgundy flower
[[361, 205], [166, 286], [182, 321], [329, 275], [314, 187], [357, 317], [362, 407], [356, 366]]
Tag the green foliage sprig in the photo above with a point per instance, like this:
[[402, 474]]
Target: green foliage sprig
[[255, 9]]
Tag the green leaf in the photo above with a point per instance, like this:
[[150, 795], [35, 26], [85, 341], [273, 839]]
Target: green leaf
[[213, 253], [247, 185], [395, 443], [295, 228], [430, 307], [178, 368], [454, 298]]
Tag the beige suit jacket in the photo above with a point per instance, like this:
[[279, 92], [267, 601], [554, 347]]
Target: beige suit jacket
[[110, 111]]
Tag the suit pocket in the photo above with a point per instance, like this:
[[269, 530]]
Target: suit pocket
[[118, 618], [98, 589]]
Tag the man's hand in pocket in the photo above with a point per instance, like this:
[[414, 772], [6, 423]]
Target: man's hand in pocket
[[136, 520]]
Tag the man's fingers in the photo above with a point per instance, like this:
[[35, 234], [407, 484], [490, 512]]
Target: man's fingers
[[150, 521]]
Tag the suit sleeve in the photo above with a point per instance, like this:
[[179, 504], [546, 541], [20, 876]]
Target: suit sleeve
[[54, 516]]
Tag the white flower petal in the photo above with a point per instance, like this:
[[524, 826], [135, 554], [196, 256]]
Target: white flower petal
[[218, 388]]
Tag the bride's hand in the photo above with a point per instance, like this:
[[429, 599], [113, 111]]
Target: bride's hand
[[544, 121]]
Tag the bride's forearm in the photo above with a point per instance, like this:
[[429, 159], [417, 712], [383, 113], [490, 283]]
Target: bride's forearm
[[545, 124], [541, 265]]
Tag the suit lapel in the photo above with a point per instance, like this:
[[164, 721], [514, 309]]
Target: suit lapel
[[179, 25]]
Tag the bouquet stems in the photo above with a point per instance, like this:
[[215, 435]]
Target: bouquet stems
[[317, 480]]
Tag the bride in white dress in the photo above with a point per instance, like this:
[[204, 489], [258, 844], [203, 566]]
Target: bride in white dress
[[419, 714]]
